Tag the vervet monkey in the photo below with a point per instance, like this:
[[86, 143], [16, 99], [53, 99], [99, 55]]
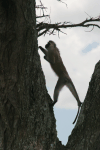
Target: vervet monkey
[[52, 55]]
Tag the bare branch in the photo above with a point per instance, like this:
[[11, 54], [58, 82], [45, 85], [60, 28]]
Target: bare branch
[[88, 14], [42, 16], [58, 26], [44, 32], [40, 6], [48, 28], [62, 2], [90, 30]]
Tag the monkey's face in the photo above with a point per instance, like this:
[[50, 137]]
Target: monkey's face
[[50, 44], [47, 45]]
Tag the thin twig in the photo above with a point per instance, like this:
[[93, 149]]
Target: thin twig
[[42, 16]]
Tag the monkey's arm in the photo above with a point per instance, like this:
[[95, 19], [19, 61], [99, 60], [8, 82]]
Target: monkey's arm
[[43, 50], [46, 58], [52, 58], [51, 61]]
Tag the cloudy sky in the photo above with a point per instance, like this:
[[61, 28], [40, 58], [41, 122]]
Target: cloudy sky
[[80, 51]]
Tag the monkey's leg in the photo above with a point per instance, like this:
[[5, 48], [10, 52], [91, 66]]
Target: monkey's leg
[[71, 87], [59, 86]]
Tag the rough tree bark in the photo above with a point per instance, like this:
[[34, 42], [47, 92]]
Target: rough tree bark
[[86, 134], [26, 120]]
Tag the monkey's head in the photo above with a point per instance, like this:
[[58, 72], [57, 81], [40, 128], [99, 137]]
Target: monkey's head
[[50, 44]]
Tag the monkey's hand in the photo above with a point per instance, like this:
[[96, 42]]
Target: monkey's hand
[[79, 104], [46, 58], [43, 50], [40, 47], [50, 61]]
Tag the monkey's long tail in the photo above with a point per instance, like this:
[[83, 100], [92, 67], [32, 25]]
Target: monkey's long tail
[[77, 114]]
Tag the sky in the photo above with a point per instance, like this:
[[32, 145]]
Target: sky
[[80, 51]]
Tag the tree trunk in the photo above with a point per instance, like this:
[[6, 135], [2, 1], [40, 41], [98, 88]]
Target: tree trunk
[[26, 120], [86, 134]]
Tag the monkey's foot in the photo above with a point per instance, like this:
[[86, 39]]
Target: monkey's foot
[[79, 104], [52, 104]]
